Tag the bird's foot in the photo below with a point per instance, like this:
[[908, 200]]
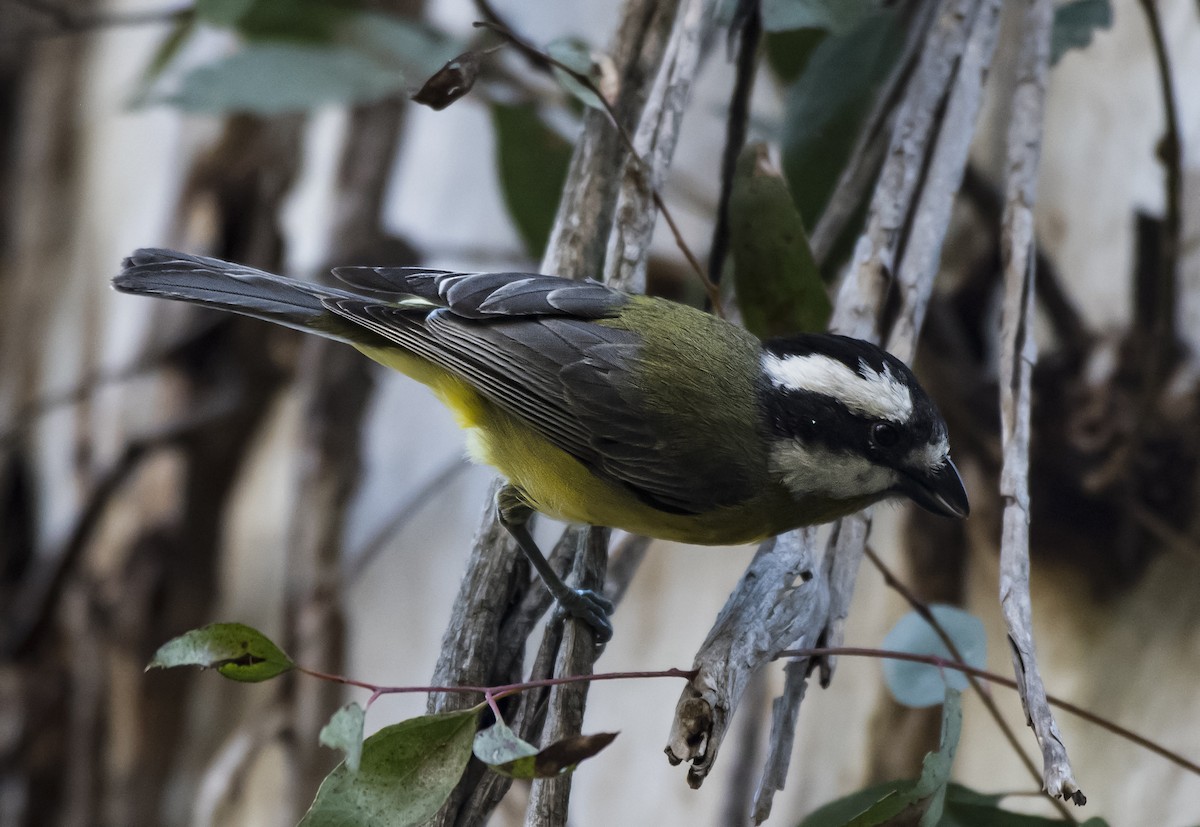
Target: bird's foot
[[592, 607]]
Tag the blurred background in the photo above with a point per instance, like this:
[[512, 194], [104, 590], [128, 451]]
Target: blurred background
[[163, 467]]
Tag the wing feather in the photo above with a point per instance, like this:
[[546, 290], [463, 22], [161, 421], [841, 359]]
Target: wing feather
[[532, 344]]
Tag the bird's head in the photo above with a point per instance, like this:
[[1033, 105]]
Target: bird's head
[[848, 422]]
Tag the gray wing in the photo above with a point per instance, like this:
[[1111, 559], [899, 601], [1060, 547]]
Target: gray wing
[[531, 344]]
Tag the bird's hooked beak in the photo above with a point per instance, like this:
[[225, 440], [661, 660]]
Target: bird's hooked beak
[[940, 491]]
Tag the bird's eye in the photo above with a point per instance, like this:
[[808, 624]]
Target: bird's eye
[[884, 435]]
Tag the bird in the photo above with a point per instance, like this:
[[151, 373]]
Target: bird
[[608, 408]]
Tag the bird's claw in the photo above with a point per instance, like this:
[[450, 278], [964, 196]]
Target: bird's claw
[[593, 608]]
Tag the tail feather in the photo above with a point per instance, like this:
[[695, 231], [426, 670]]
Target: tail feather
[[211, 282]]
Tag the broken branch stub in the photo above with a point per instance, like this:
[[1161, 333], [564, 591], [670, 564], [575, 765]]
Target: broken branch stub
[[781, 601]]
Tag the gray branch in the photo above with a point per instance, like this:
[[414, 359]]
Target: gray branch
[[654, 141], [784, 713], [781, 599], [1018, 355], [472, 650], [629, 245], [906, 226]]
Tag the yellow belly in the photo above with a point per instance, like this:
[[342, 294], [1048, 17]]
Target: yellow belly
[[559, 486]]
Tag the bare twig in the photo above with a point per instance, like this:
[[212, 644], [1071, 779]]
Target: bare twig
[[549, 797], [653, 146], [360, 560], [871, 142], [784, 713], [1074, 335], [29, 413], [649, 187], [530, 52], [781, 598], [922, 244], [906, 224], [1018, 355], [985, 696], [623, 562], [27, 617], [909, 218], [1160, 338], [1066, 706], [336, 386], [577, 242], [749, 37], [918, 122], [226, 771], [798, 656]]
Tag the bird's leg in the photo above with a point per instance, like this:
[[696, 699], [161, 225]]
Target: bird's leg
[[591, 607]]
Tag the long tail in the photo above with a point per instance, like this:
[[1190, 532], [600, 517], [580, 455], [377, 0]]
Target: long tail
[[223, 285]]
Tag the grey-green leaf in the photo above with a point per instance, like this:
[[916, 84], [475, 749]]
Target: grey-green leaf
[[919, 684], [498, 745], [345, 732], [575, 55], [269, 78], [532, 159], [935, 769], [407, 772], [837, 16], [237, 651], [778, 285], [1075, 23], [902, 802]]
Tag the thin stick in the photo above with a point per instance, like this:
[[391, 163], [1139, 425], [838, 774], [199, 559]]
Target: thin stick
[[921, 608], [1018, 356], [627, 139], [506, 690]]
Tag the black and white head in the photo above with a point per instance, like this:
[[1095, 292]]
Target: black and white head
[[848, 421]]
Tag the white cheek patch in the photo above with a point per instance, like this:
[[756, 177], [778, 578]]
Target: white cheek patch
[[879, 395], [812, 469]]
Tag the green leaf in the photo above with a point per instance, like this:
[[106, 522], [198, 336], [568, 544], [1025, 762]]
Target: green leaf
[[308, 21], [788, 52], [345, 732], [532, 160], [778, 285], [837, 16], [920, 684], [967, 808], [825, 108], [964, 807], [842, 811], [560, 757], [275, 78], [577, 56], [237, 651], [407, 772], [901, 802], [935, 768], [1075, 23], [224, 13]]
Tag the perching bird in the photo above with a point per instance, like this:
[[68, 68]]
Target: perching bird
[[611, 409]]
